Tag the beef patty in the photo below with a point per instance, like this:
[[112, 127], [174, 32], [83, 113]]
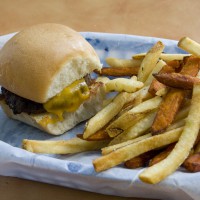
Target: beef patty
[[19, 104]]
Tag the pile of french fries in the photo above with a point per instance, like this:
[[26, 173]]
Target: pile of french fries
[[152, 122]]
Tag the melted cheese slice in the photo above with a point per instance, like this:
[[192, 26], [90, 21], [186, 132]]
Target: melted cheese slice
[[68, 100]]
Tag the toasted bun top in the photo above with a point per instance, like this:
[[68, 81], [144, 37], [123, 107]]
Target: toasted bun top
[[40, 61]]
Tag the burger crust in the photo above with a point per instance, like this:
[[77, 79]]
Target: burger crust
[[40, 61]]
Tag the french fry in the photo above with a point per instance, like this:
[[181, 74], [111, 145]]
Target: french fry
[[142, 95], [162, 155], [107, 101], [177, 124], [141, 160], [174, 98], [119, 126], [111, 110], [139, 56], [159, 171], [189, 45], [164, 56], [162, 92], [183, 113], [156, 69], [176, 64], [156, 85], [129, 118], [145, 123], [189, 163], [167, 110], [136, 130], [177, 80], [149, 62], [109, 149], [98, 136], [192, 163], [134, 78], [197, 148], [105, 115], [171, 57], [130, 151], [118, 71], [168, 68], [74, 145], [191, 66], [102, 79], [130, 105], [179, 120], [116, 62], [123, 85]]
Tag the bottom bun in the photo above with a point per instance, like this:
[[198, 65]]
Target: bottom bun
[[88, 109]]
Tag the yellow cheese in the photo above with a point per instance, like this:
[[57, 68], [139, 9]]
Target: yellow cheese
[[68, 100], [48, 120]]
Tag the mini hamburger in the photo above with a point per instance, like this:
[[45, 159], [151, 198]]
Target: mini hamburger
[[45, 78]]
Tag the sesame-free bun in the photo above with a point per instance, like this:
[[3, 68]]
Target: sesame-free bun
[[40, 61]]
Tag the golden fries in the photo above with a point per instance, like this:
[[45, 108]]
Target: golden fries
[[179, 120], [132, 116], [111, 148], [175, 64], [177, 124], [167, 110], [110, 111], [162, 155], [191, 66], [116, 62], [105, 115], [118, 71], [177, 80], [189, 45], [150, 61], [74, 145], [102, 79], [130, 151], [98, 136], [158, 172], [162, 92], [123, 85], [156, 69], [174, 98], [136, 130], [192, 163], [171, 57], [141, 96], [164, 56], [156, 85], [140, 161]]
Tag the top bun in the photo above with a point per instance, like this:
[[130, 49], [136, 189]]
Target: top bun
[[40, 61]]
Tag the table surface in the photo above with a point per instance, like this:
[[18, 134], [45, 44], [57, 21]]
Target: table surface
[[171, 19]]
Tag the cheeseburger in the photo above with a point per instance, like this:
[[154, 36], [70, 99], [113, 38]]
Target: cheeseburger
[[45, 78]]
